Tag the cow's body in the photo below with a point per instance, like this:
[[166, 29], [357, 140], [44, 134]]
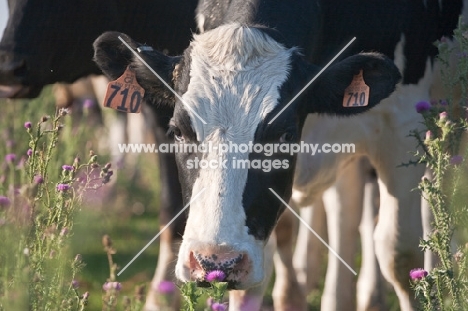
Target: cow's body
[[48, 42], [237, 77], [382, 135]]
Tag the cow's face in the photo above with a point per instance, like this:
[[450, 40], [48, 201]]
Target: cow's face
[[232, 82]]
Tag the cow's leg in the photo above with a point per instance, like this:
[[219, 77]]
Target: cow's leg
[[310, 252], [287, 293], [370, 289], [251, 299], [343, 204], [170, 204], [399, 228], [136, 130], [430, 258]]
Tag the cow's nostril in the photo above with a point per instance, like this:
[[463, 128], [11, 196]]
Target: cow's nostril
[[227, 266], [221, 262]]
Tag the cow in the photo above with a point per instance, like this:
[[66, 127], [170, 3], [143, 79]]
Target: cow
[[236, 76], [407, 35]]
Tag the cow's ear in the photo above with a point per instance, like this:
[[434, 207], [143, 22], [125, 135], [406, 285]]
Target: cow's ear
[[113, 57], [330, 92]]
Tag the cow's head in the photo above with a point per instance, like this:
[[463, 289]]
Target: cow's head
[[236, 79]]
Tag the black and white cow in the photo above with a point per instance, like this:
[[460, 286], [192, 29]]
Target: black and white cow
[[236, 78], [405, 31]]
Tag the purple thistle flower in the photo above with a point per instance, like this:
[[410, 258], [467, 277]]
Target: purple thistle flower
[[67, 167], [21, 162], [443, 115], [38, 179], [429, 135], [88, 103], [456, 159], [218, 307], [4, 201], [29, 152], [112, 285], [63, 187], [166, 287], [215, 275], [418, 274], [106, 286], [64, 231], [27, 125], [422, 106], [75, 284], [210, 301], [10, 158]]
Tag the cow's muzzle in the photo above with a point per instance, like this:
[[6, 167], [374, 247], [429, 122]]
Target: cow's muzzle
[[218, 264]]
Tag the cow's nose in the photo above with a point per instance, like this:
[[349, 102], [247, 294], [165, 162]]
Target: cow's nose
[[208, 266]]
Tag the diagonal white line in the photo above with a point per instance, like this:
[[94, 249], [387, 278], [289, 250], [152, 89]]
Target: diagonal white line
[[161, 79], [161, 231], [312, 230], [313, 79]]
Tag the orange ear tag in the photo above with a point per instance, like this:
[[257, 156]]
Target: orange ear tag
[[124, 94], [357, 93]]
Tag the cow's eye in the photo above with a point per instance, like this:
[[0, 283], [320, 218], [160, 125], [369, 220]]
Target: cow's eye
[[175, 132], [178, 135], [287, 137]]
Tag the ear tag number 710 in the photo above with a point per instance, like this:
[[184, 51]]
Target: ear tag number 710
[[124, 94], [357, 93]]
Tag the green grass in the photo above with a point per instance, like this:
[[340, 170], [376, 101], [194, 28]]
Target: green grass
[[129, 234]]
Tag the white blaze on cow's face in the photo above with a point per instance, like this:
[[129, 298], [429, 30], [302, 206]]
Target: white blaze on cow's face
[[235, 76]]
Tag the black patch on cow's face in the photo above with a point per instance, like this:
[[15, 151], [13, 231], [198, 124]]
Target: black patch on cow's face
[[261, 206], [181, 127]]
